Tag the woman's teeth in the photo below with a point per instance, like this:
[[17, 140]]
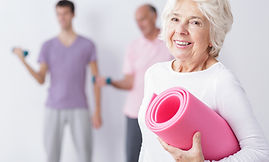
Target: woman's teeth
[[180, 43]]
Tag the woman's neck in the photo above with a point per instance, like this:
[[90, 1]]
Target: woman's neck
[[194, 65]]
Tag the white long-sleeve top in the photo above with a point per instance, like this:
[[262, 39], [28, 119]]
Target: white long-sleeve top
[[220, 90]]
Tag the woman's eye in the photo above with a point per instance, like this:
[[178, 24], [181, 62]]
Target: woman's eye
[[195, 23]]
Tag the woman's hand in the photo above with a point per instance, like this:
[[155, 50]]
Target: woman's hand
[[195, 154]]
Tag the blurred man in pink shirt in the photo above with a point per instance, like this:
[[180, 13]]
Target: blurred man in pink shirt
[[141, 54]]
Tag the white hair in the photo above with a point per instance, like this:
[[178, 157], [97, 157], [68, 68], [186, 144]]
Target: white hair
[[217, 12]]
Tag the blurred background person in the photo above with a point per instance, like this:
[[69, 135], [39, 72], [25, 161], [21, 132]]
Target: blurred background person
[[66, 58], [141, 54]]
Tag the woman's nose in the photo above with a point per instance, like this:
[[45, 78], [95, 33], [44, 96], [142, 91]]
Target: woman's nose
[[181, 29]]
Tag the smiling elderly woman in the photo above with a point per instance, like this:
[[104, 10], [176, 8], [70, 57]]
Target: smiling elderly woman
[[194, 31]]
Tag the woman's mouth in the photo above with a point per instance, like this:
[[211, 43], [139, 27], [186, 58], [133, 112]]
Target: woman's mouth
[[182, 44]]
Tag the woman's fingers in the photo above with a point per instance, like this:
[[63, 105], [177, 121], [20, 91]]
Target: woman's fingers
[[169, 148], [177, 154], [194, 154], [196, 141], [196, 144], [196, 149]]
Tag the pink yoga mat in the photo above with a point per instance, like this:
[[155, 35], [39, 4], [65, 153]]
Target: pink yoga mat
[[175, 115]]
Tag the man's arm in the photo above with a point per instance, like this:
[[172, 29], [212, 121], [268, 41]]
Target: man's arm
[[126, 83], [96, 119], [40, 75]]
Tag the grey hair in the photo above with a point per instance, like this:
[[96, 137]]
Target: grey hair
[[217, 12]]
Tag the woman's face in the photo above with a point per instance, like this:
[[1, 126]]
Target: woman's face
[[187, 31]]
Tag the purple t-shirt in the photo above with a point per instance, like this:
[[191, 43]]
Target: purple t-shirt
[[67, 68]]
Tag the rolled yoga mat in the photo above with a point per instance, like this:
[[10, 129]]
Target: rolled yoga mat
[[175, 115]]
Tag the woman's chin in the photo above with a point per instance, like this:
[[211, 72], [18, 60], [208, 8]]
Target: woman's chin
[[180, 56]]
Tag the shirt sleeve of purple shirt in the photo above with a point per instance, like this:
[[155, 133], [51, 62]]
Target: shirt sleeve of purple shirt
[[92, 53]]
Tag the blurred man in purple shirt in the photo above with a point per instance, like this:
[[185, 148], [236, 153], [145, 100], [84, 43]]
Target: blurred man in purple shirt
[[66, 58]]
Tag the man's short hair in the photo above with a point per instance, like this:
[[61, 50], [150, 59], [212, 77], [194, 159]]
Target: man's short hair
[[66, 3]]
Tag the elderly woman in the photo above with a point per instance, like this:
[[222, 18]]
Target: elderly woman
[[194, 31]]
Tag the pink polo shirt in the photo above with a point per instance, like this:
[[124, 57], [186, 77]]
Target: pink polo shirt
[[141, 54]]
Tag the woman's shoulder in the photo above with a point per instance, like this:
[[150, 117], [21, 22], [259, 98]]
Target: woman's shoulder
[[225, 77]]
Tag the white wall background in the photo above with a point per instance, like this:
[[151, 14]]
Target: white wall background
[[111, 25]]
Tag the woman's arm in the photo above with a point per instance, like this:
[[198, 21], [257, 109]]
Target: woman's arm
[[234, 107], [232, 104]]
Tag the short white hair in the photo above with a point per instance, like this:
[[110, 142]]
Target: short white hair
[[217, 12]]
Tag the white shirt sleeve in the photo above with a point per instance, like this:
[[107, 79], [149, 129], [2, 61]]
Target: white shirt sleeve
[[233, 105]]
